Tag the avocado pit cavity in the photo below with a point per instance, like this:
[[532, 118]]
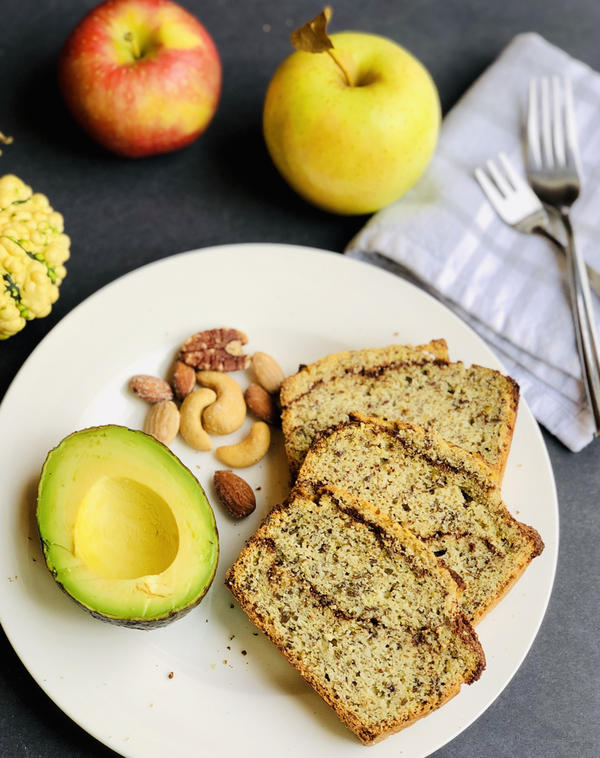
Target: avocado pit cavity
[[125, 530]]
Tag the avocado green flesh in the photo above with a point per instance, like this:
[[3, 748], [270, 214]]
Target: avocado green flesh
[[126, 528]]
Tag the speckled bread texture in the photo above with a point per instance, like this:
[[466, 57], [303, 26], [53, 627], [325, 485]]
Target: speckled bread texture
[[338, 364], [474, 407], [359, 606], [444, 495]]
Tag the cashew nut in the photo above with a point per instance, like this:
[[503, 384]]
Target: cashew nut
[[250, 450], [191, 418], [229, 411]]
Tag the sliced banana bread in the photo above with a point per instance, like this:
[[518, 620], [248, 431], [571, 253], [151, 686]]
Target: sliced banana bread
[[360, 607], [446, 496], [474, 407]]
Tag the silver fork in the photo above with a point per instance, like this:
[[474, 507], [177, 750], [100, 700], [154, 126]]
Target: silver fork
[[553, 172], [518, 205]]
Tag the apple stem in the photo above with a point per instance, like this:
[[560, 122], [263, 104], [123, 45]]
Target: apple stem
[[341, 67], [135, 48]]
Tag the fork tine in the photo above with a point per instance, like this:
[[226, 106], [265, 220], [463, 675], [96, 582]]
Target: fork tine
[[572, 149], [516, 181], [534, 155], [546, 122], [497, 176], [489, 188], [557, 123]]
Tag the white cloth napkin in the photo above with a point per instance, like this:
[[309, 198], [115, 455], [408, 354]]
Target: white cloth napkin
[[510, 287]]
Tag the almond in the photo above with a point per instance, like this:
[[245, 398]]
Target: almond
[[268, 372], [162, 421], [235, 493], [150, 388], [184, 379], [261, 404]]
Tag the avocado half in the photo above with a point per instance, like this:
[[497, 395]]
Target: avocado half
[[126, 528]]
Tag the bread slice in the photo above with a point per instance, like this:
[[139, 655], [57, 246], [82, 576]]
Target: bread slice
[[361, 609], [474, 407], [447, 497]]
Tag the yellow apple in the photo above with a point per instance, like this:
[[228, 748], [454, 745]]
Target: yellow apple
[[352, 147]]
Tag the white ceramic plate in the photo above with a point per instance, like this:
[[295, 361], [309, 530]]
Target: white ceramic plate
[[297, 304]]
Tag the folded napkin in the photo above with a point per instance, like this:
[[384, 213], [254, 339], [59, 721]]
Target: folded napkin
[[510, 287]]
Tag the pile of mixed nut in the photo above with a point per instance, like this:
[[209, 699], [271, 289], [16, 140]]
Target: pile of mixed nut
[[217, 407]]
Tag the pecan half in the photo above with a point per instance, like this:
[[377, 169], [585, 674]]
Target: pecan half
[[215, 350]]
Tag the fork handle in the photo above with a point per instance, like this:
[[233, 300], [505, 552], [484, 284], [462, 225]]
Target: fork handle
[[583, 316], [593, 275]]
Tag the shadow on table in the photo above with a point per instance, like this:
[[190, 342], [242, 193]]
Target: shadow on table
[[241, 154], [41, 110], [245, 166]]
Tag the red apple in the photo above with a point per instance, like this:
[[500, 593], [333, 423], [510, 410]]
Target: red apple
[[141, 76]]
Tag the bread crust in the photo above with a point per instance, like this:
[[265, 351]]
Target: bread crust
[[336, 364], [370, 515], [437, 451], [374, 362], [365, 735], [537, 545], [508, 429]]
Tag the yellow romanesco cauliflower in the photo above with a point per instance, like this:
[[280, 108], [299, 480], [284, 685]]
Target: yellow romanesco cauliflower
[[33, 250]]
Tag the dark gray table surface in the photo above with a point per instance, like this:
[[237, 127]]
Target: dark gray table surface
[[122, 214]]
